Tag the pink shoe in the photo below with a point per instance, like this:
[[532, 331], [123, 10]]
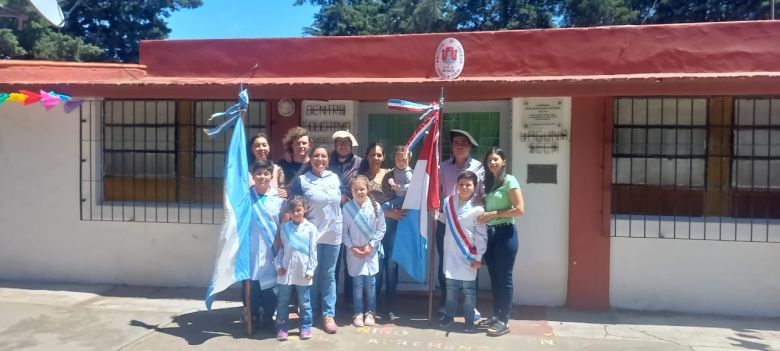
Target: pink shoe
[[305, 334], [330, 325], [281, 335]]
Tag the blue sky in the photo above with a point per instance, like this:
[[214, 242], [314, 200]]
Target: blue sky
[[241, 19]]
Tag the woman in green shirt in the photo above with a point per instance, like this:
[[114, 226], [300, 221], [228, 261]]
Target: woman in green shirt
[[503, 202]]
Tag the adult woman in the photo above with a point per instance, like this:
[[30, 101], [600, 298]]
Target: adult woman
[[321, 189], [503, 202], [261, 149], [296, 145]]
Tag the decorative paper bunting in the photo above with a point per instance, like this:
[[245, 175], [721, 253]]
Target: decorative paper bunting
[[47, 99], [16, 97], [31, 97], [71, 105]]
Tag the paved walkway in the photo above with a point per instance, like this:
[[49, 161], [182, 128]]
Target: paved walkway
[[107, 317]]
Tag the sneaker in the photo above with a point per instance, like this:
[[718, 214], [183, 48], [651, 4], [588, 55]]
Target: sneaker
[[469, 328], [281, 335], [391, 316], [305, 334], [446, 322], [487, 323], [358, 321], [329, 324], [499, 328], [369, 320]]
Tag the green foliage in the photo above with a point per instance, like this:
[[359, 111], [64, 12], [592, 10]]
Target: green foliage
[[360, 17], [9, 45], [118, 26], [95, 30]]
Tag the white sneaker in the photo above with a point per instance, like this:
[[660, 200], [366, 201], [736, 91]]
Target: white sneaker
[[369, 320], [358, 321]]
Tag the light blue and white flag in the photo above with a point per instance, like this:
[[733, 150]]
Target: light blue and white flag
[[233, 261]]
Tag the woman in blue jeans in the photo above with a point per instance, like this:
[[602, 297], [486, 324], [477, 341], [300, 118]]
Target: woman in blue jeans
[[503, 202], [321, 189]]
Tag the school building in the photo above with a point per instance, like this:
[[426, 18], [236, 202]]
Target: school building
[[649, 156]]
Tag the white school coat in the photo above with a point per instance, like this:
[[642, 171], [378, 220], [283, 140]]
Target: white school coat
[[352, 236], [261, 258], [455, 265], [298, 264]]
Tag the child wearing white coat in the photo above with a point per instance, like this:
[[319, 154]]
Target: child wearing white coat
[[363, 229], [465, 241], [295, 265]]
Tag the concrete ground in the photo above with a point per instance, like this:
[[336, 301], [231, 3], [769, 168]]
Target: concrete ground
[[35, 316]]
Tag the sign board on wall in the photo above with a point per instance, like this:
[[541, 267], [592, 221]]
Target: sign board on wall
[[542, 125], [323, 118], [449, 59]]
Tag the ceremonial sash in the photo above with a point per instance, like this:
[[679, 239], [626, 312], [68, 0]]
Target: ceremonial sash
[[468, 250], [267, 224], [296, 242], [352, 210]]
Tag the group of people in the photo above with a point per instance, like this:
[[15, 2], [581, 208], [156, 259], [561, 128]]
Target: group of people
[[316, 210]]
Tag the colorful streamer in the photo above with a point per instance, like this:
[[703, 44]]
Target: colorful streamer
[[47, 99]]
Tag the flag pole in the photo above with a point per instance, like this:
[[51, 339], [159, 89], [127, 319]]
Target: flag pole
[[432, 248], [247, 283]]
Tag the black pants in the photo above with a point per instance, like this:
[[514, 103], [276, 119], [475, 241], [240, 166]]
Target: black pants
[[500, 259], [264, 299]]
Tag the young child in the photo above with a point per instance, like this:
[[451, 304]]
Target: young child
[[363, 229], [267, 207], [401, 178], [465, 241], [295, 264]]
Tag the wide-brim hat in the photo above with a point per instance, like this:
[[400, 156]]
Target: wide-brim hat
[[343, 134], [454, 132]]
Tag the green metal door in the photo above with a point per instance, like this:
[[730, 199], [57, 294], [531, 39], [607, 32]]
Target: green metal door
[[395, 129]]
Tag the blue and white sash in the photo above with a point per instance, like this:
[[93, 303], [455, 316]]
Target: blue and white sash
[[467, 249], [264, 220], [296, 242], [352, 210]]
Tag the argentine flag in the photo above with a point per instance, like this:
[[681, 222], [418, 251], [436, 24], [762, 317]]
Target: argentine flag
[[411, 238], [232, 264]]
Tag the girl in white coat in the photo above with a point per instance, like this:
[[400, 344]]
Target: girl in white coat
[[364, 227], [295, 265], [465, 241]]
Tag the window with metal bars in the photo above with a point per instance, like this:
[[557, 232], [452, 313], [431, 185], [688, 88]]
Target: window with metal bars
[[149, 160], [696, 168]]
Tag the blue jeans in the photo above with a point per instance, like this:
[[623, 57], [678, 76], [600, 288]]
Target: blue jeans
[[360, 284], [264, 299], [500, 259], [469, 288], [388, 269], [324, 286], [283, 308]]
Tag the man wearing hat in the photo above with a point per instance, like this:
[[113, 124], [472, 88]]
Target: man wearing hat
[[461, 143], [345, 164]]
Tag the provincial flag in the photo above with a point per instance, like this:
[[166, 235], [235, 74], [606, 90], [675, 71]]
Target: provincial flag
[[411, 238]]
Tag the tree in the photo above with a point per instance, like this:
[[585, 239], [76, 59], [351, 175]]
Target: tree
[[36, 39], [118, 26], [94, 30], [589, 13]]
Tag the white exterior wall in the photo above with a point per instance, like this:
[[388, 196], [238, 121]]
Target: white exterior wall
[[739, 278], [541, 269], [41, 235]]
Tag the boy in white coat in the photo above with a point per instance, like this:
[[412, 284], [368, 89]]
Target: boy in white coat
[[465, 241]]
